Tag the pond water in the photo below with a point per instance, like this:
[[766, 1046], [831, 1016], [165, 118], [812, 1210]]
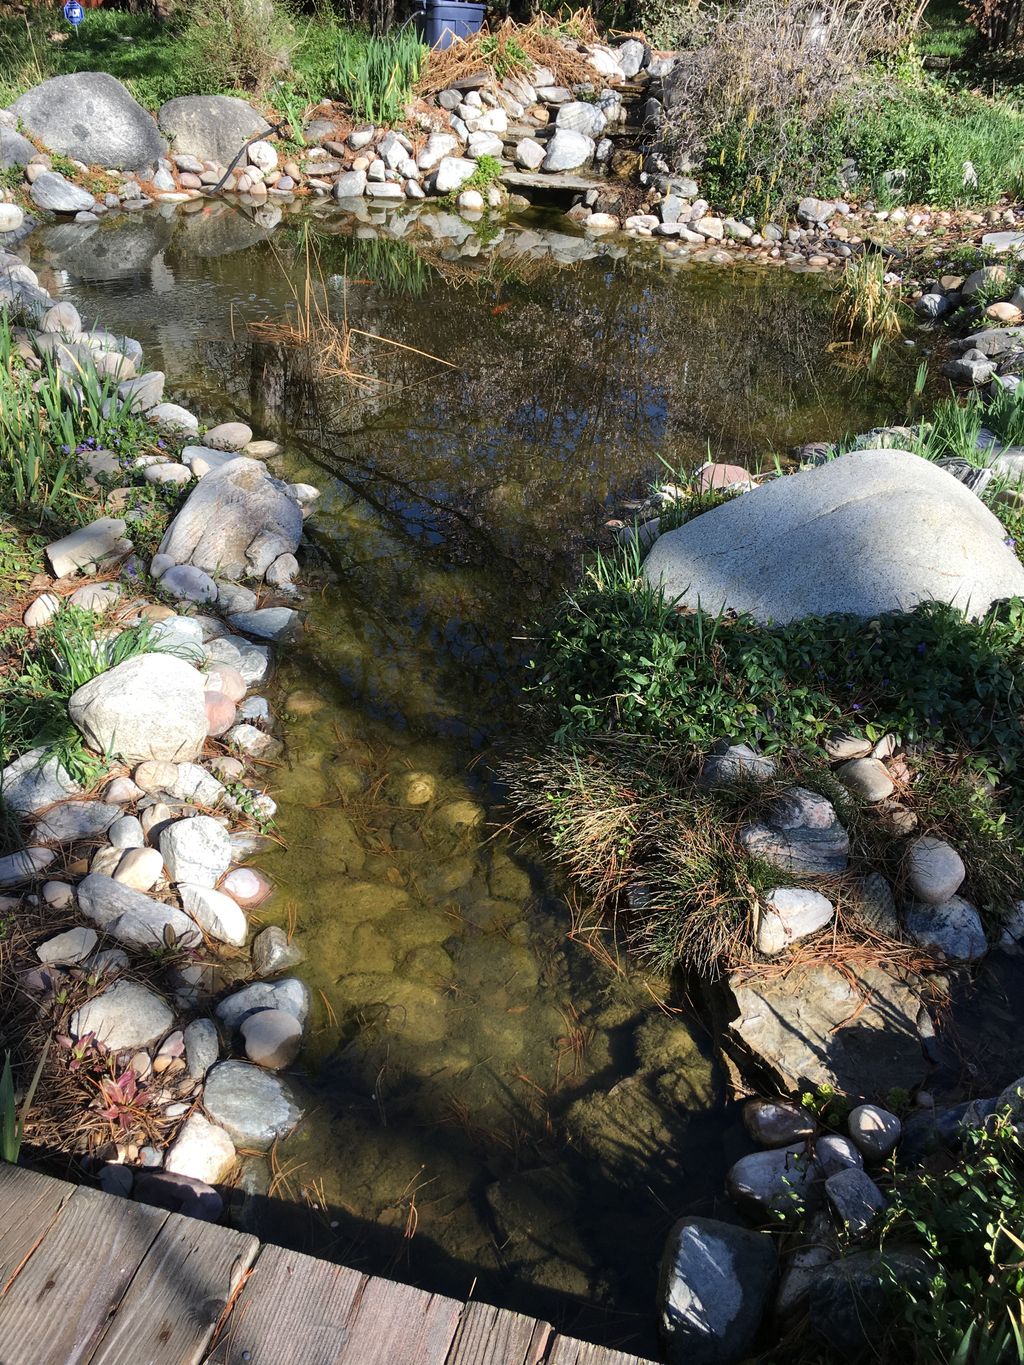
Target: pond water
[[493, 1107]]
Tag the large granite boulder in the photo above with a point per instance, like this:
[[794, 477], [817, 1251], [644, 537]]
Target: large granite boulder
[[854, 1029], [92, 117], [211, 127], [237, 521], [150, 706], [870, 532]]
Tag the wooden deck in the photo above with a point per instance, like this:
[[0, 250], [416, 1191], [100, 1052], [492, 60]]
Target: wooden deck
[[90, 1279]]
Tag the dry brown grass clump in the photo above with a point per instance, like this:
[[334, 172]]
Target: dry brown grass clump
[[514, 48]]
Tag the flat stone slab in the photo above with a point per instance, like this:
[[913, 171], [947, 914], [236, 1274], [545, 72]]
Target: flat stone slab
[[855, 1029], [552, 182]]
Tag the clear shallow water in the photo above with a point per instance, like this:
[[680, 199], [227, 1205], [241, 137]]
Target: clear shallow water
[[489, 1103]]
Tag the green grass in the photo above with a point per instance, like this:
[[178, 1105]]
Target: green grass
[[198, 51], [375, 76]]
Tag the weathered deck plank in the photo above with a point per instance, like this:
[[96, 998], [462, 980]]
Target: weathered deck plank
[[58, 1305], [487, 1335], [569, 1351], [177, 1295], [90, 1279], [294, 1310], [396, 1324], [29, 1203]]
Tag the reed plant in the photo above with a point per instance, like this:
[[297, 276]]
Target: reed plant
[[866, 305], [376, 76]]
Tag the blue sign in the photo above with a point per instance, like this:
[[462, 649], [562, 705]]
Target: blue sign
[[74, 13]]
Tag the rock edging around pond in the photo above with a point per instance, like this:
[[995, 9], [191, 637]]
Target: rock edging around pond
[[153, 863]]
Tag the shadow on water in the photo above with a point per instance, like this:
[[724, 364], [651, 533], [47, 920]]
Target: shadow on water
[[485, 1099]]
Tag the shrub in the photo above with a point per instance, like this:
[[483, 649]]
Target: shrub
[[757, 103], [237, 44], [966, 1218]]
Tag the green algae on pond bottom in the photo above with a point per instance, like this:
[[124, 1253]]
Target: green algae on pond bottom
[[487, 1101], [471, 1075]]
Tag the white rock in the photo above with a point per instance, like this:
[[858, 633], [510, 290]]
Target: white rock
[[869, 532], [196, 850], [202, 1151], [202, 1047], [139, 868], [789, 913], [935, 871], [126, 1015], [215, 913], [875, 1131], [567, 151], [127, 832], [150, 706], [96, 597], [68, 948], [134, 919], [40, 612], [89, 547], [24, 865], [529, 154], [35, 781], [263, 156], [289, 994], [452, 172]]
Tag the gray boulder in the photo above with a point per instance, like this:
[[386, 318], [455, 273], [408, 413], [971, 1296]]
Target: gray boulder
[[126, 1015], [134, 919], [197, 851], [290, 996], [150, 706], [92, 117], [236, 520], [52, 192], [34, 781], [716, 1280], [952, 929], [800, 833], [579, 117], [872, 531], [252, 1105], [211, 127], [15, 150], [850, 1301], [772, 1184], [857, 1202], [69, 821]]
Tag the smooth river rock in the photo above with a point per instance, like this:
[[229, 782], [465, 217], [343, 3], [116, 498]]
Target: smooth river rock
[[196, 850], [252, 1105], [134, 919], [237, 520], [870, 532], [800, 833], [126, 1015]]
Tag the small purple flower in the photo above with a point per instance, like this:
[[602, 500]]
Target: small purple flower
[[65, 450], [161, 443], [922, 648], [1009, 540], [856, 706]]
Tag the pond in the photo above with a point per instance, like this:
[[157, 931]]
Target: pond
[[496, 1104]]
